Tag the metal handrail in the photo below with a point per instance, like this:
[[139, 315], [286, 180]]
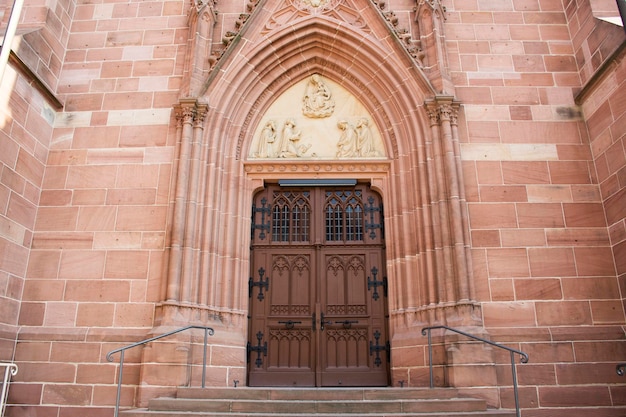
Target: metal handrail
[[207, 331], [523, 359], [620, 369], [10, 369]]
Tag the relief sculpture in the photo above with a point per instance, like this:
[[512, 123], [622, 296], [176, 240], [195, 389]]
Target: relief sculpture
[[267, 140], [347, 145], [365, 141], [356, 141], [315, 3], [332, 124], [290, 146], [317, 101]]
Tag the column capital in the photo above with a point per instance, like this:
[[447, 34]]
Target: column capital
[[442, 107], [191, 110]]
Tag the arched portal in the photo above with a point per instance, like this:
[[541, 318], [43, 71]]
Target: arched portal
[[414, 165]]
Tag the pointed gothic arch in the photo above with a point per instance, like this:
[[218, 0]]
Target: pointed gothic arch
[[428, 260]]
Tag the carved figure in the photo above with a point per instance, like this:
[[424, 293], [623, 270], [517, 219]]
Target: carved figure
[[347, 145], [289, 146], [315, 3], [267, 140], [317, 101], [365, 140]]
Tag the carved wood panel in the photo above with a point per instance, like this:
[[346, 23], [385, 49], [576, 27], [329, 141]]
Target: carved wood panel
[[316, 321]]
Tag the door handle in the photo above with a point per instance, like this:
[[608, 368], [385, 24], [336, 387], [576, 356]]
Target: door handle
[[347, 323], [324, 322], [289, 324]]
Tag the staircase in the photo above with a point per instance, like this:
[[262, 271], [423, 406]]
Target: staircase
[[320, 402]]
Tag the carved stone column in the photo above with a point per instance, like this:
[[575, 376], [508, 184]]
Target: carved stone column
[[435, 171], [450, 224], [180, 268]]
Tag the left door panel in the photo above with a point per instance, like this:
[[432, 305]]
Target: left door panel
[[282, 318]]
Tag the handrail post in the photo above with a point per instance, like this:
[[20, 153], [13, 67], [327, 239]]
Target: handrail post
[[119, 385], [515, 393], [430, 361], [206, 335], [10, 369]]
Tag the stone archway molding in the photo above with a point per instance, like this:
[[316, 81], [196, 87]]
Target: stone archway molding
[[420, 178]]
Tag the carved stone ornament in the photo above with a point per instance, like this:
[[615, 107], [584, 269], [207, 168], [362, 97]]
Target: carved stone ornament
[[317, 101], [314, 5], [330, 126]]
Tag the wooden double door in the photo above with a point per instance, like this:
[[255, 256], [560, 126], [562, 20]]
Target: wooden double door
[[318, 288]]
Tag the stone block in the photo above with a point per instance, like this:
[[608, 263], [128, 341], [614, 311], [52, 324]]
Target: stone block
[[525, 172], [71, 352], [471, 375], [25, 393], [577, 237], [57, 218], [56, 197], [509, 314], [551, 262], [586, 374], [98, 218], [164, 374], [135, 136], [501, 290], [82, 264], [126, 264], [31, 314], [543, 215], [134, 315], [549, 353], [527, 397], [89, 373], [608, 311], [507, 262], [43, 290], [572, 396], [538, 289], [105, 395], [508, 193], [594, 261], [559, 313], [531, 374], [490, 216], [569, 172], [141, 218], [489, 172], [89, 197], [485, 238], [131, 196], [600, 351], [523, 237], [33, 352], [51, 373], [549, 193], [60, 314]]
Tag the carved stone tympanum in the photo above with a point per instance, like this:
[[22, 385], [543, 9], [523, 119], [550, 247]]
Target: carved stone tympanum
[[332, 123]]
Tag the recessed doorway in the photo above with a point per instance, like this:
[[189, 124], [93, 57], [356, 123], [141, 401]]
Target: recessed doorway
[[318, 288]]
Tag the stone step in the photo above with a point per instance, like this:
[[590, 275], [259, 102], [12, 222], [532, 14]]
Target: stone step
[[317, 393], [318, 402], [317, 406], [147, 413]]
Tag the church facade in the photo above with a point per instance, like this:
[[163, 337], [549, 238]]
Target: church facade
[[316, 181]]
